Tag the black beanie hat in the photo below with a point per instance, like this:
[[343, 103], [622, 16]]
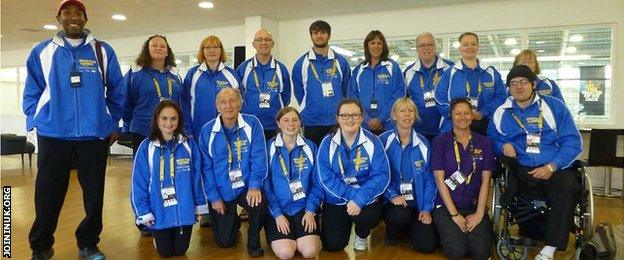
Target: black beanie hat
[[521, 71]]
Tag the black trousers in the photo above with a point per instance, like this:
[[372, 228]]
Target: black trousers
[[336, 224], [136, 141], [423, 237], [172, 241], [225, 227], [53, 163], [268, 134], [455, 243], [316, 133], [560, 193]]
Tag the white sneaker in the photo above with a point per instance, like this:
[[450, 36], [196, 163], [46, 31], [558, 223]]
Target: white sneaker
[[360, 244], [541, 256]]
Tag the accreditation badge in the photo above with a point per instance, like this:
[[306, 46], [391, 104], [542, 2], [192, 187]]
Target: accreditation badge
[[328, 89], [236, 177], [296, 189], [407, 190], [533, 143], [455, 180], [429, 98], [265, 100], [75, 79], [373, 105], [351, 181], [169, 196]]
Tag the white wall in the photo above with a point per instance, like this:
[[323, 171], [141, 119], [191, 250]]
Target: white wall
[[293, 38]]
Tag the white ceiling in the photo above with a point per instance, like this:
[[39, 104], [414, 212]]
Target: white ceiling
[[23, 20]]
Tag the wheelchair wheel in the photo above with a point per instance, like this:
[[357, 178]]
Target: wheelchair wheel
[[589, 210], [584, 212], [507, 250]]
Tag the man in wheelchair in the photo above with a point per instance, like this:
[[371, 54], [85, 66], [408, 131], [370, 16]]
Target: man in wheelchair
[[538, 131]]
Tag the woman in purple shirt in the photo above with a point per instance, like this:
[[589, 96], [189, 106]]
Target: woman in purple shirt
[[462, 162]]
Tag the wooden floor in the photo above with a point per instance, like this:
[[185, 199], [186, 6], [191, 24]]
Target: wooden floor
[[121, 240]]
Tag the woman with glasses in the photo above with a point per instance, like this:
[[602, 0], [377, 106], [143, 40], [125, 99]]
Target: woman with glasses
[[409, 198], [167, 188], [292, 190], [153, 78], [473, 79], [545, 86], [462, 162], [377, 83], [203, 82], [353, 171]]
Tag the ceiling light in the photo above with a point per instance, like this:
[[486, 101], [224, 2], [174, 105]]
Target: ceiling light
[[576, 38], [50, 27], [195, 60], [342, 51], [510, 41], [515, 51], [540, 42], [395, 57], [119, 17], [456, 45], [541, 51], [442, 55], [178, 61], [541, 58], [206, 5], [570, 49], [354, 58], [413, 48]]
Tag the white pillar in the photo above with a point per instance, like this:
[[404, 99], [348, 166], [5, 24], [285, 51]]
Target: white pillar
[[255, 23]]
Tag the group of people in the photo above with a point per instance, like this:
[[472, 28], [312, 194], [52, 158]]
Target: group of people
[[414, 148]]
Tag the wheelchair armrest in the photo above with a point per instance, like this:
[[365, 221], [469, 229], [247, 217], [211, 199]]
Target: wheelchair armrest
[[579, 164], [508, 163]]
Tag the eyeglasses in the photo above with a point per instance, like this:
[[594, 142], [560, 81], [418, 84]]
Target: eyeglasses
[[521, 83], [426, 45], [212, 47], [350, 116], [267, 40]]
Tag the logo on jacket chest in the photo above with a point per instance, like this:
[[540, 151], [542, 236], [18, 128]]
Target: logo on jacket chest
[[383, 78], [85, 65], [360, 163], [223, 83]]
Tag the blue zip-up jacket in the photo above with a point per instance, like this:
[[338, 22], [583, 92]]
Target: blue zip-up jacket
[[384, 83], [453, 85], [145, 194], [200, 89], [560, 140], [315, 108], [142, 97], [418, 83], [417, 153], [373, 175], [253, 164], [299, 161], [274, 80], [59, 110]]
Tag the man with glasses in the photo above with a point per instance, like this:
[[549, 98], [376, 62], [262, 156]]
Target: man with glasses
[[73, 96], [422, 78], [540, 134], [320, 80], [265, 83]]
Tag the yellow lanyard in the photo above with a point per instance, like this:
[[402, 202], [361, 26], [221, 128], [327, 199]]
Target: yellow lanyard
[[332, 72], [468, 89], [169, 87], [162, 167], [458, 158], [283, 164], [271, 84], [540, 122], [358, 161], [238, 144], [422, 81]]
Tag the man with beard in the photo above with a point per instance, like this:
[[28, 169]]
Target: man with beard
[[320, 80], [74, 99]]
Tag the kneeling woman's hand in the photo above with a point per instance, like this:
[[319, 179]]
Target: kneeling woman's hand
[[353, 209], [424, 217], [282, 225], [461, 222], [473, 220], [308, 222]]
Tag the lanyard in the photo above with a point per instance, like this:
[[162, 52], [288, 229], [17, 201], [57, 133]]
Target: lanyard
[[358, 161], [468, 88], [162, 167], [283, 164], [332, 73], [157, 86], [540, 121], [458, 158], [271, 84], [239, 144]]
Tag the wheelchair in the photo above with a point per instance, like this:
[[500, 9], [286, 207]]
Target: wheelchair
[[518, 209]]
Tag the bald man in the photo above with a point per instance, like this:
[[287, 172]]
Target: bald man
[[422, 78], [265, 83]]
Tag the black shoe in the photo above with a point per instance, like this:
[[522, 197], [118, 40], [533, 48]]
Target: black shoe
[[204, 220], [255, 252], [146, 233], [91, 253], [43, 255]]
